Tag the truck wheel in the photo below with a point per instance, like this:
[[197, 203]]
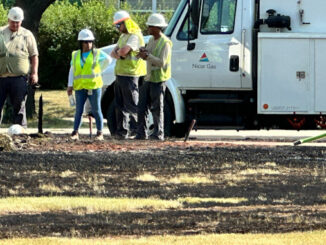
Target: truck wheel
[[168, 119], [110, 117], [180, 130]]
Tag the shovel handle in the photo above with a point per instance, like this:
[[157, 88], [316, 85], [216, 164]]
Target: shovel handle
[[90, 125]]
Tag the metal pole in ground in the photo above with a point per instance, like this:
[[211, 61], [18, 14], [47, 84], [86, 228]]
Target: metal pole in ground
[[309, 139], [192, 124], [90, 125], [40, 115]]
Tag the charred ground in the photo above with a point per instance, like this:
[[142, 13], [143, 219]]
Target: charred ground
[[284, 187]]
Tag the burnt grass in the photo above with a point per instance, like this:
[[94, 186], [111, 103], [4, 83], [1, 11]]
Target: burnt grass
[[285, 190]]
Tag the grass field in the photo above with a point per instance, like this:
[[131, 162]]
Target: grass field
[[168, 195], [57, 112], [297, 238]]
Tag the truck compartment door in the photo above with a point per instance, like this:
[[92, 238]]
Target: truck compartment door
[[320, 75], [284, 74]]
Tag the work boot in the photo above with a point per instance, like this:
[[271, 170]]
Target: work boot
[[154, 137], [74, 135], [131, 135], [99, 136], [119, 137]]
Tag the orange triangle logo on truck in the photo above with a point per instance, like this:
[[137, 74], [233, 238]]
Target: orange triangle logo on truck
[[203, 58]]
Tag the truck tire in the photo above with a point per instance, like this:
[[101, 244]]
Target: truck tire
[[172, 129], [168, 119], [179, 130], [110, 117]]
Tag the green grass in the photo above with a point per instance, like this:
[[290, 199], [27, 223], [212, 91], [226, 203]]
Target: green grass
[[57, 112], [56, 109]]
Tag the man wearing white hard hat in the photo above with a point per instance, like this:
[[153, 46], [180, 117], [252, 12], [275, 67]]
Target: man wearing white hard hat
[[158, 57], [87, 65], [18, 60], [128, 69]]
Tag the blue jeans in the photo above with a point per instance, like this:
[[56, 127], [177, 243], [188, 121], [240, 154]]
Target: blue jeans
[[95, 101]]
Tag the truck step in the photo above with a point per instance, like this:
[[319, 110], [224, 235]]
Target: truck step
[[217, 127], [215, 101]]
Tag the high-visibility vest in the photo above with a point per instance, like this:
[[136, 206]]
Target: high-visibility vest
[[88, 76], [12, 59], [160, 74], [130, 65]]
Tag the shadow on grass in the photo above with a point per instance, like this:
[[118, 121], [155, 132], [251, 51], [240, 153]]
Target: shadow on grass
[[284, 189], [176, 222]]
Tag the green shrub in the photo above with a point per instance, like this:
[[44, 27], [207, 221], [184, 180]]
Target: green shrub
[[58, 33], [59, 28], [3, 15], [8, 3]]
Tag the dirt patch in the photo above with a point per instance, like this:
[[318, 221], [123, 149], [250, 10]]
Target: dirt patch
[[283, 187]]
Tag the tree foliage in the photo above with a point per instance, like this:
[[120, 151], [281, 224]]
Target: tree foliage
[[56, 24], [3, 15], [33, 11], [58, 33]]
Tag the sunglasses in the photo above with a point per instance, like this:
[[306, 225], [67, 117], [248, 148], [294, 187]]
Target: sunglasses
[[118, 25]]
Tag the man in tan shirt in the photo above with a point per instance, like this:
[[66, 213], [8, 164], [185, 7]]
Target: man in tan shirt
[[18, 60]]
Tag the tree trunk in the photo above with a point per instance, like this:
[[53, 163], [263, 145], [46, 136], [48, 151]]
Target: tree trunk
[[33, 11]]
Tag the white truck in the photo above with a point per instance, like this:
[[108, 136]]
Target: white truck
[[243, 64]]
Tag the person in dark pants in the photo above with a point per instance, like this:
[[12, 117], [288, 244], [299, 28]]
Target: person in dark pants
[[16, 64], [158, 57], [128, 69]]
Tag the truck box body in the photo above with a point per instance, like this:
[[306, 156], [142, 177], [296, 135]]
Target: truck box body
[[313, 13], [291, 75], [291, 63]]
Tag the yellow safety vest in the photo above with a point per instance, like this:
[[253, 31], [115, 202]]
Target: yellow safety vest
[[130, 65], [88, 76], [160, 74], [14, 60]]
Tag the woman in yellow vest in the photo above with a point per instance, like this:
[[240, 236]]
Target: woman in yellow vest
[[158, 57], [85, 78]]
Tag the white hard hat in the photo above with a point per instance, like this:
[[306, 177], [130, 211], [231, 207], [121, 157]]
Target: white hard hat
[[16, 14], [120, 16], [85, 35], [16, 129], [156, 20]]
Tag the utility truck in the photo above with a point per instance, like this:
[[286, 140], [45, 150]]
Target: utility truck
[[243, 64]]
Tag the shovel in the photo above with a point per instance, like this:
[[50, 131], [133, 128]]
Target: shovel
[[192, 124], [309, 139], [90, 123]]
